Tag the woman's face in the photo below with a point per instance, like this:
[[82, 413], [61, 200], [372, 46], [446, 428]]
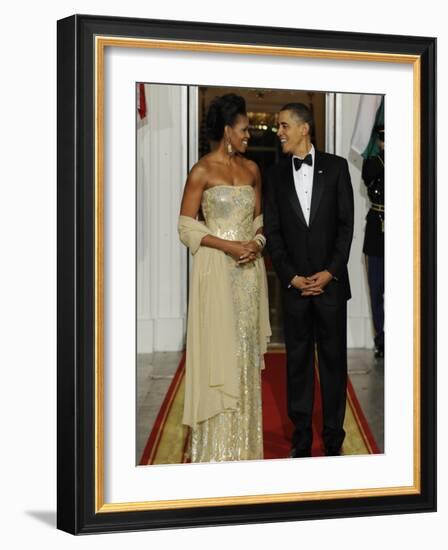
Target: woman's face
[[238, 135]]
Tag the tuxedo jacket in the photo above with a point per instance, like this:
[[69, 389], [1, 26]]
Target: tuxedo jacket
[[300, 249]]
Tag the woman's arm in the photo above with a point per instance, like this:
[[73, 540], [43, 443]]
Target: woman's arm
[[258, 192], [191, 200], [254, 245]]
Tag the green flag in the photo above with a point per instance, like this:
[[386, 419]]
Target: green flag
[[372, 148]]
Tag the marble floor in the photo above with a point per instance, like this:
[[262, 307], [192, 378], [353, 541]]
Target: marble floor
[[155, 372]]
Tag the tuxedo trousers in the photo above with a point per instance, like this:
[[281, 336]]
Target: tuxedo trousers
[[311, 326]]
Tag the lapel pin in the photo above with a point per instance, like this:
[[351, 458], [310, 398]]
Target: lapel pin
[[320, 171]]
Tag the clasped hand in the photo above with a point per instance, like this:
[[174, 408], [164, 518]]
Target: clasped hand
[[312, 285], [243, 251]]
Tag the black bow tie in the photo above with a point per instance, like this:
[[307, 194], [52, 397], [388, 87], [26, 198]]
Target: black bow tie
[[307, 160]]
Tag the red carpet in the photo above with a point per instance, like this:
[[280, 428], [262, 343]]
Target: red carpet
[[168, 440], [277, 427]]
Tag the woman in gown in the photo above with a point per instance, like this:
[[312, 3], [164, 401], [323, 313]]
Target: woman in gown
[[228, 321]]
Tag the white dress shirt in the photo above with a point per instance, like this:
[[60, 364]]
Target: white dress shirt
[[303, 182]]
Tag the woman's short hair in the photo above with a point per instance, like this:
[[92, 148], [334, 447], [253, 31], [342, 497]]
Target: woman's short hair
[[223, 111]]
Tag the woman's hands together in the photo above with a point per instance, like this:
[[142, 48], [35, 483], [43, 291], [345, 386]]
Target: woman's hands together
[[243, 251]]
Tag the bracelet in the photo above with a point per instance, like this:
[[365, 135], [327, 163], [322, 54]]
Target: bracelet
[[260, 240]]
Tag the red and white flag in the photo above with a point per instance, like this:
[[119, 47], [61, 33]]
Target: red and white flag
[[141, 100]]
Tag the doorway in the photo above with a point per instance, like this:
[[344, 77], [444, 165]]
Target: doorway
[[264, 148]]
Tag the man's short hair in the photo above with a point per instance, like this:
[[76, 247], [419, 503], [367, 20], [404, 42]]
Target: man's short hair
[[300, 110]]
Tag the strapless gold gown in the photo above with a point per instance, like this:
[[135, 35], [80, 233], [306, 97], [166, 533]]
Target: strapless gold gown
[[235, 435]]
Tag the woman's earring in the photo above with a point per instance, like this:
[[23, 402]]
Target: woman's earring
[[229, 148]]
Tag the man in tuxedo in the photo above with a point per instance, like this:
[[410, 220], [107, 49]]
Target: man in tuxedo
[[308, 223]]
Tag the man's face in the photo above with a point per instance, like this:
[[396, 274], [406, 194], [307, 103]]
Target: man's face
[[292, 131]]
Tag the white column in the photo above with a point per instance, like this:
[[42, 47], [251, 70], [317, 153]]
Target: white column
[[161, 258], [330, 118], [360, 328]]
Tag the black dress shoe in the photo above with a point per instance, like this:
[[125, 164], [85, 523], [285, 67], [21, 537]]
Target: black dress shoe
[[333, 451], [300, 453], [379, 353]]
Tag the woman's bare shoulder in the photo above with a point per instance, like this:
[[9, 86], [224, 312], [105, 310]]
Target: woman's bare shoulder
[[203, 165], [200, 169]]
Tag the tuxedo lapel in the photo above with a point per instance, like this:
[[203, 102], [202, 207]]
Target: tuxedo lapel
[[291, 195], [318, 184]]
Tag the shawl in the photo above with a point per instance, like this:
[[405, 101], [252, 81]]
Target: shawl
[[212, 381]]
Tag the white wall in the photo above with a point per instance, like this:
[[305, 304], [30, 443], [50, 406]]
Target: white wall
[[161, 258], [28, 276]]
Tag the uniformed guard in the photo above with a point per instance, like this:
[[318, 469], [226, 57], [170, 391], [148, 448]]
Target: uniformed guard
[[373, 176]]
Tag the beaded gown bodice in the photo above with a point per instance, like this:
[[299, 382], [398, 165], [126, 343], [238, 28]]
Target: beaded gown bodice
[[228, 211]]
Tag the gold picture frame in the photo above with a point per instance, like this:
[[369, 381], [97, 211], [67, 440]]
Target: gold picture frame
[[82, 42]]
